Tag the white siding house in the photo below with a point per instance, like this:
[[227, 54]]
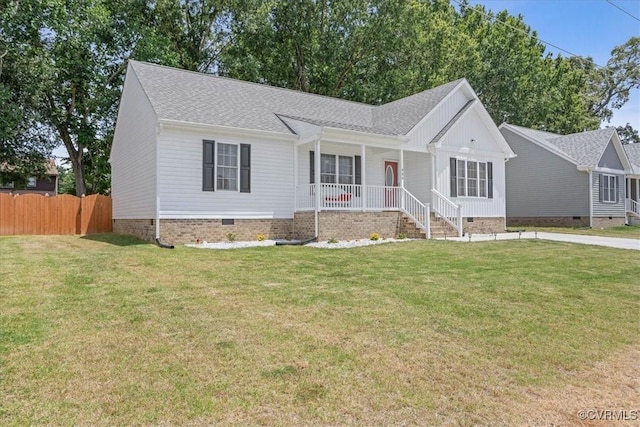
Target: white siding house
[[199, 157]]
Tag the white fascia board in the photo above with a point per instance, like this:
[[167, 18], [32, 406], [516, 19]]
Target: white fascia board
[[439, 143], [439, 104], [541, 144], [226, 130], [610, 171], [347, 136], [493, 129]]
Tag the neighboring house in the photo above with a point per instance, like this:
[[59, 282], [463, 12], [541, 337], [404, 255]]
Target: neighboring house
[[197, 156], [633, 184], [565, 180], [47, 184]]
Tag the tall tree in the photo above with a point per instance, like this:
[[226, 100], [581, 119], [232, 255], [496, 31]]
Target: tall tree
[[609, 86], [78, 52], [628, 135]]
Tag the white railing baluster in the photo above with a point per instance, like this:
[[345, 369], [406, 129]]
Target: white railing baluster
[[448, 211]]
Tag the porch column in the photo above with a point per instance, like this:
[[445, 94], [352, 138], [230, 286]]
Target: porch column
[[295, 177], [363, 178], [317, 181], [638, 190], [590, 199], [402, 179]]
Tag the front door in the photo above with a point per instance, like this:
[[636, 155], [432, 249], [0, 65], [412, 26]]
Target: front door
[[391, 181]]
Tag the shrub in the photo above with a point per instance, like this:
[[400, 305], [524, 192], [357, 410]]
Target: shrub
[[231, 237], [332, 240], [374, 236], [260, 237]]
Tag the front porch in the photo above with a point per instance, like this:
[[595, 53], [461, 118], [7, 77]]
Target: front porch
[[378, 198], [632, 201]]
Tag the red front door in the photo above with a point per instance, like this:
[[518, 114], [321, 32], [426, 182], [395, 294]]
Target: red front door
[[390, 181]]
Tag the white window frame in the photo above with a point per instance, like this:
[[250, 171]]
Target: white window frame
[[463, 179], [609, 188], [336, 174], [219, 167]]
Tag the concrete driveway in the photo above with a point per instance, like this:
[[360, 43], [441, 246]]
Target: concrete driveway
[[611, 242]]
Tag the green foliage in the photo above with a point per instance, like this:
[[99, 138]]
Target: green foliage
[[62, 64], [628, 135]]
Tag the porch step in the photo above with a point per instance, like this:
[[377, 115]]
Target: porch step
[[439, 228]]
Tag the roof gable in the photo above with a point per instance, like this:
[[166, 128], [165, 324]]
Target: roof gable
[[589, 149], [192, 97]]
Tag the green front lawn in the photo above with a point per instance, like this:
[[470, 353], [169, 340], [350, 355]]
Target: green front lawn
[[109, 331]]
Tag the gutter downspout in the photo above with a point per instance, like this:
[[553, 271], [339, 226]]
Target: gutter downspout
[[157, 218]]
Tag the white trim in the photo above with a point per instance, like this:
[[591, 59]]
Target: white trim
[[215, 171], [484, 116], [590, 199], [541, 144], [609, 171], [438, 105], [157, 160]]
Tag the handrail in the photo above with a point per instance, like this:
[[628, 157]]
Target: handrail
[[417, 211], [633, 206], [447, 210]]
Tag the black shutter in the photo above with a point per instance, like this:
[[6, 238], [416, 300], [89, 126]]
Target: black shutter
[[454, 177], [245, 168], [357, 170], [617, 189], [208, 165], [490, 180], [312, 167]]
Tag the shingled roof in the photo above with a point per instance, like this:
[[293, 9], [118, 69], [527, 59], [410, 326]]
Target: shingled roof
[[583, 148], [633, 153], [206, 99]]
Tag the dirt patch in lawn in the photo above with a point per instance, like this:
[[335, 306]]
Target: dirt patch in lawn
[[609, 396]]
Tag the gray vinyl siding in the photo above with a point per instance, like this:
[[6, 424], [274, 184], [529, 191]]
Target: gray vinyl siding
[[540, 183], [601, 209], [610, 159]]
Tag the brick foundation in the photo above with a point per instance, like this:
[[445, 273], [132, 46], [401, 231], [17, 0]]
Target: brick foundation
[[141, 228], [607, 222], [483, 225], [181, 231], [548, 221], [343, 225]]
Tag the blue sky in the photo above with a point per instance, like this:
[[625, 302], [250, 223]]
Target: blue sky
[[583, 27]]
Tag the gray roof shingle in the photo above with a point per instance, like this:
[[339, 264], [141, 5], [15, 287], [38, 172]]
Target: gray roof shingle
[[206, 99], [633, 153], [584, 148]]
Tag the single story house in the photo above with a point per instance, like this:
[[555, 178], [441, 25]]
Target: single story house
[[633, 184], [44, 185], [201, 157], [572, 180]]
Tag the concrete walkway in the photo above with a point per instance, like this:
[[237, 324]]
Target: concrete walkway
[[612, 242]]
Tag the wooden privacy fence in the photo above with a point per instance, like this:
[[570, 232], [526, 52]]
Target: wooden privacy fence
[[65, 214]]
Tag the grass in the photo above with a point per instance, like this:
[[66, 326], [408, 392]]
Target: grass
[[625, 231], [109, 331]]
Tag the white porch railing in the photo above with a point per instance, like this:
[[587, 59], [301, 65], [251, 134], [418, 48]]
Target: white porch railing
[[353, 197], [417, 211], [447, 210], [633, 207]]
